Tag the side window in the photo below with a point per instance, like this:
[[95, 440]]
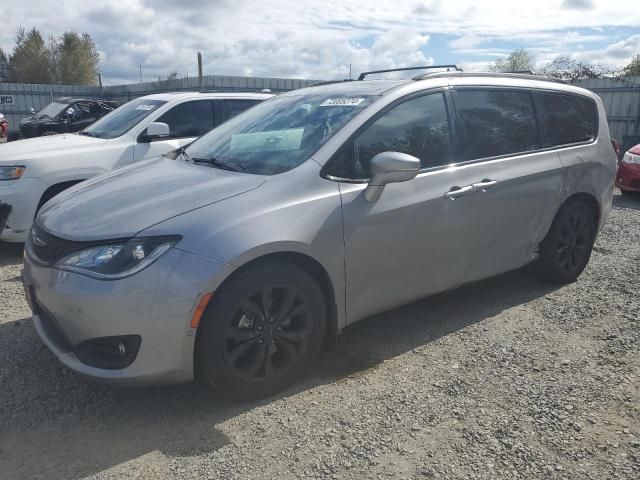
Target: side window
[[189, 119], [567, 118], [81, 111], [493, 123], [418, 127], [231, 108]]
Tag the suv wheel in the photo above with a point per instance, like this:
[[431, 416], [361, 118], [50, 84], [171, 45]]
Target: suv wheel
[[262, 330], [565, 251]]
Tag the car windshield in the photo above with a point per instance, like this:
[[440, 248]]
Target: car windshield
[[122, 119], [277, 135], [53, 109]]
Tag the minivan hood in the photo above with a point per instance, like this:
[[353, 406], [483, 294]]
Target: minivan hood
[[45, 146], [124, 202]]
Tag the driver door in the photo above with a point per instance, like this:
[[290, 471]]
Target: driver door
[[186, 121], [408, 243]]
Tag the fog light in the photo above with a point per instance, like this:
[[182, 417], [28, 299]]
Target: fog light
[[109, 353]]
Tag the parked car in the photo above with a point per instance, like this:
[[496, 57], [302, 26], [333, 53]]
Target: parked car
[[628, 177], [34, 171], [65, 115], [4, 128], [311, 211]]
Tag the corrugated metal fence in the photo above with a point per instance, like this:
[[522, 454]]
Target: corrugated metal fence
[[17, 98], [621, 98]]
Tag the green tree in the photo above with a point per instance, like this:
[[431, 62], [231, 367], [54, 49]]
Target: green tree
[[75, 59], [518, 61], [30, 61], [4, 66], [633, 69]]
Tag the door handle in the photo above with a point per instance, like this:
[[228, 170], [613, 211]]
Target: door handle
[[456, 192], [484, 185]]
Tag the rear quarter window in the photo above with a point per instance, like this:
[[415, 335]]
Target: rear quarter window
[[566, 118], [494, 122]]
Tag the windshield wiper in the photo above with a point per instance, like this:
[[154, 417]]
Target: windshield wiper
[[223, 164], [173, 154], [88, 134]]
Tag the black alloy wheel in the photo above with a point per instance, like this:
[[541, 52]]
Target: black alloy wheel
[[262, 330], [268, 334], [566, 250]]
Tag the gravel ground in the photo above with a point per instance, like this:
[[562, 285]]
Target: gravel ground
[[506, 378]]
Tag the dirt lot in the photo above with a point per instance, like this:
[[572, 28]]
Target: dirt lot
[[506, 378]]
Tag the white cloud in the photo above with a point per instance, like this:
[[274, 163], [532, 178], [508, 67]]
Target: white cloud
[[578, 4], [318, 38]]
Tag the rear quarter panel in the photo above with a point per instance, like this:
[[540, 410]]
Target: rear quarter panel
[[591, 168]]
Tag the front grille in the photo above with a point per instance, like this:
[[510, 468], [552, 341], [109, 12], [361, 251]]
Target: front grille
[[49, 249]]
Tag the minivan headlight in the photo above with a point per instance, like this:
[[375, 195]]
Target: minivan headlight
[[631, 158], [118, 260], [11, 173]]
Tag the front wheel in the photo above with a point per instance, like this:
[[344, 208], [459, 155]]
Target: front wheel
[[262, 330], [566, 250]]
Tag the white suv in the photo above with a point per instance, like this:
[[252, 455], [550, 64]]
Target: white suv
[[34, 171]]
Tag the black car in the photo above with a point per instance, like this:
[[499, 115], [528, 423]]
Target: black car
[[64, 115]]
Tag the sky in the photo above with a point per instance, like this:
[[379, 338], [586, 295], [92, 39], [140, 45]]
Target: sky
[[319, 39]]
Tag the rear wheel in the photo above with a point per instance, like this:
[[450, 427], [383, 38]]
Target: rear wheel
[[566, 250], [262, 331]]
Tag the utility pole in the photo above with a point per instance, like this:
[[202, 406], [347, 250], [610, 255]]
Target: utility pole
[[349, 71], [199, 71], [141, 74]]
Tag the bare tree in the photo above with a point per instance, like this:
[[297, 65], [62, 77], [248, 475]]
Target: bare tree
[[518, 61]]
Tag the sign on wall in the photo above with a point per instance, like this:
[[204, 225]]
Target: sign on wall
[[6, 99]]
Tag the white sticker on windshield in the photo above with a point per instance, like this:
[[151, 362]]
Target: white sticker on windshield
[[145, 107], [342, 102]]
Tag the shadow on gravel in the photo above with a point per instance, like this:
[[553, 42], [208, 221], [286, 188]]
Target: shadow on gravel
[[627, 201], [10, 253], [53, 424]]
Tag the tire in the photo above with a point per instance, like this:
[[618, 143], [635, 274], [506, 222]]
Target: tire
[[247, 354], [566, 250]]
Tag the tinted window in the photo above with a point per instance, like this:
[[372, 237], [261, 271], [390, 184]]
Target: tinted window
[[494, 122], [418, 127], [189, 119], [123, 119], [231, 108], [279, 134], [567, 118]]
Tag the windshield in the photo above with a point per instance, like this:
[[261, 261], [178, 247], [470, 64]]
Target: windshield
[[122, 119], [277, 135], [53, 109]]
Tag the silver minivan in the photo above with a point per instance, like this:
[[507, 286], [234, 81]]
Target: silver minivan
[[235, 258]]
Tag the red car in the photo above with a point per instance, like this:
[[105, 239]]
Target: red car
[[4, 129], [628, 176]]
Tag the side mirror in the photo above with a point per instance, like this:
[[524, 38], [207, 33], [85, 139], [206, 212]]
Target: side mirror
[[390, 167], [155, 131], [32, 110]]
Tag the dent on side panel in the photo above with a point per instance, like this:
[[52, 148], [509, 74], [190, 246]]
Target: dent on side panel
[[590, 169]]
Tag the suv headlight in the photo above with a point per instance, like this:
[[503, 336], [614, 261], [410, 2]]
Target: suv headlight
[[11, 173], [118, 260], [631, 158]]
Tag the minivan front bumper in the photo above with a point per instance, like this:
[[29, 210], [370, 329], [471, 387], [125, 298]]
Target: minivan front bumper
[[155, 305]]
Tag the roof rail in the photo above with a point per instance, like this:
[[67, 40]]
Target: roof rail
[[330, 82], [526, 76], [364, 74]]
